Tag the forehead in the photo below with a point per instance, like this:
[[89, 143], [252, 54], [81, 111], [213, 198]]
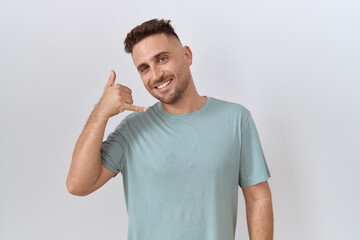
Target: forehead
[[150, 46]]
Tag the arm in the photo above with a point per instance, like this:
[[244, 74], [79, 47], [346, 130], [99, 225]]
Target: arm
[[86, 172], [86, 167], [259, 212]]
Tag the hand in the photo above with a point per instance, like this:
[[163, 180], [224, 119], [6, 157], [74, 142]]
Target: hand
[[116, 98]]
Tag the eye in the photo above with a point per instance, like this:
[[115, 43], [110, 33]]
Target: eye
[[143, 69], [163, 59]]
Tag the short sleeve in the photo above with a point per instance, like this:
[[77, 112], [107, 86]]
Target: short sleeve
[[253, 166], [113, 149]]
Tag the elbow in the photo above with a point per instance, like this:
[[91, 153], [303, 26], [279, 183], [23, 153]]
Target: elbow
[[75, 190]]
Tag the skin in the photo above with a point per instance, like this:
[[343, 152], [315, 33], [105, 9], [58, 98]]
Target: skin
[[158, 58], [87, 173], [259, 211]]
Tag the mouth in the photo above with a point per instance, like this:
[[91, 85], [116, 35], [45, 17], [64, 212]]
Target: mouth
[[164, 85]]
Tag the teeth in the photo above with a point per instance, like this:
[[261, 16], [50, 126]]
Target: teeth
[[164, 84]]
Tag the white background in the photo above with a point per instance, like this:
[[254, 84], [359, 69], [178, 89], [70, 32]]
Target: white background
[[293, 64]]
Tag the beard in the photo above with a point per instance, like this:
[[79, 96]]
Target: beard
[[174, 96]]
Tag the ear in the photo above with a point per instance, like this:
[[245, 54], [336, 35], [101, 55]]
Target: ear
[[188, 55]]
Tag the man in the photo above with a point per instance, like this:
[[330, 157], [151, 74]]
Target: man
[[183, 158]]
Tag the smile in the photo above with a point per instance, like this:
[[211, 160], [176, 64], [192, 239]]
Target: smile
[[164, 84]]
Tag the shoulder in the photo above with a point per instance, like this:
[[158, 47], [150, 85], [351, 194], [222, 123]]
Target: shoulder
[[140, 118], [231, 108], [136, 121]]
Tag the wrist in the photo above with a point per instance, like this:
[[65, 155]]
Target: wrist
[[98, 114]]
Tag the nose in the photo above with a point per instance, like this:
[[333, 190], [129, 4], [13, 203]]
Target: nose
[[156, 74]]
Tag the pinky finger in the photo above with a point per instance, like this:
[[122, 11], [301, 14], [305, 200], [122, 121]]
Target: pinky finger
[[135, 108]]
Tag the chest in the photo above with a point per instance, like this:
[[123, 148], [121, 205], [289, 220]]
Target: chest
[[185, 151]]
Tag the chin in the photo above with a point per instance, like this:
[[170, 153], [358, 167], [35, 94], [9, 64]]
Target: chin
[[173, 96], [169, 99]]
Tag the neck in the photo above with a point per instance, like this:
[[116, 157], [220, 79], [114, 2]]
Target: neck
[[189, 101]]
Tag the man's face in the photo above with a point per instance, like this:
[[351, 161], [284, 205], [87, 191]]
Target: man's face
[[161, 59]]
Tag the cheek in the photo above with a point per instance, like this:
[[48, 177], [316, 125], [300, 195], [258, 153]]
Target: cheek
[[180, 68], [183, 70]]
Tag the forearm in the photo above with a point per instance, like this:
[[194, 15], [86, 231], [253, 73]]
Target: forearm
[[86, 160], [260, 220]]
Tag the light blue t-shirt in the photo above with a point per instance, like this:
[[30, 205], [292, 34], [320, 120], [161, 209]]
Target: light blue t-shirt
[[181, 172]]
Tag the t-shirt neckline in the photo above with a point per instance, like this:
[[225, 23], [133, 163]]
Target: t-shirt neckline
[[164, 113]]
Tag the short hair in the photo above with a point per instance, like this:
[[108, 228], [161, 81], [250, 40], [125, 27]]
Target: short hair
[[146, 29]]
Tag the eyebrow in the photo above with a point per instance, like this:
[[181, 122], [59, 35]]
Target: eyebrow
[[154, 57]]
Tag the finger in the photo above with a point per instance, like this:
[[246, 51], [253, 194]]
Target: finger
[[128, 100], [135, 108], [111, 80], [128, 90]]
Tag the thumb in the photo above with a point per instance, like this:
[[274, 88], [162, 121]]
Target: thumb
[[111, 80]]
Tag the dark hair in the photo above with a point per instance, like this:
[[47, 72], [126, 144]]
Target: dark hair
[[146, 29]]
